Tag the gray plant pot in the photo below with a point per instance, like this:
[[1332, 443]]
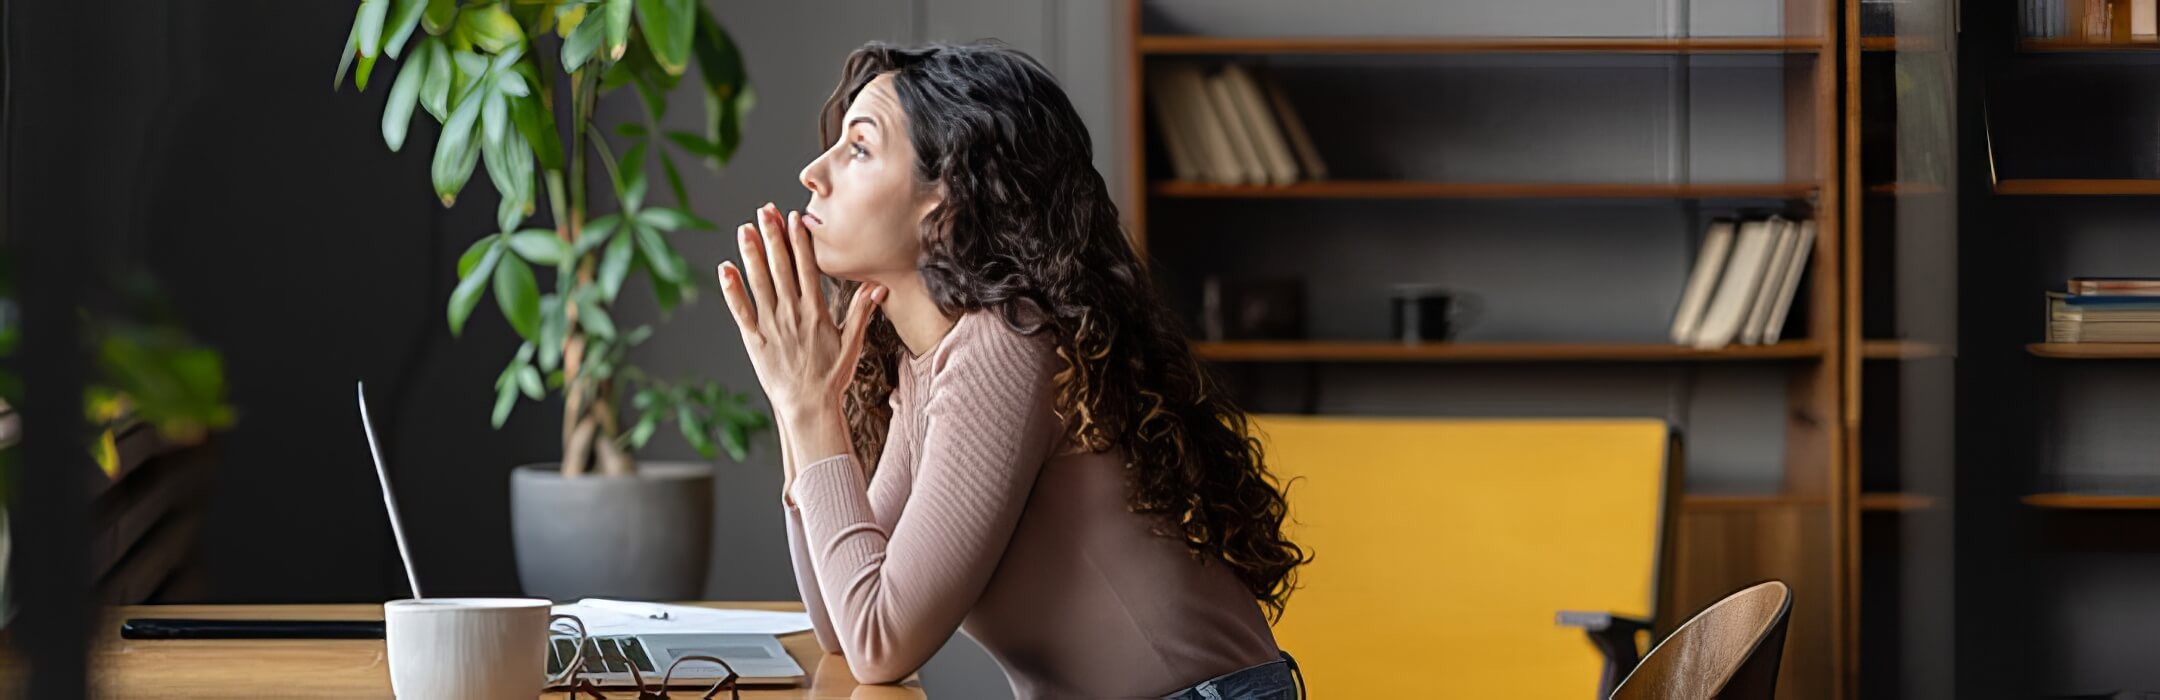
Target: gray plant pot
[[640, 537]]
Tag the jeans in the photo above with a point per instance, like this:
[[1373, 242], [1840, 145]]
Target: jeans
[[1274, 680]]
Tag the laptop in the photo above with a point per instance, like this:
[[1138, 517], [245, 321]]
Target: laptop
[[759, 659]]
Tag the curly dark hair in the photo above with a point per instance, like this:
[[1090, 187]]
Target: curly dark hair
[[1027, 229]]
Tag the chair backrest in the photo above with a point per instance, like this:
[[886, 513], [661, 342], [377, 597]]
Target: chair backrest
[[1443, 547], [1731, 650]]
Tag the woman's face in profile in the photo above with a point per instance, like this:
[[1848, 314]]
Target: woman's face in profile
[[866, 209]]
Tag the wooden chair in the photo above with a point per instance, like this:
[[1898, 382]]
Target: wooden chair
[[1729, 651]]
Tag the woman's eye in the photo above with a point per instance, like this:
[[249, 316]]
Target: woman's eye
[[857, 150]]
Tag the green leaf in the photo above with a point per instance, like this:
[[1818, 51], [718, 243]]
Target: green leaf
[[644, 399], [630, 130], [360, 76], [652, 94], [667, 293], [494, 113], [540, 246], [456, 151], [352, 47], [370, 27], [630, 187], [404, 94], [643, 431], [728, 97], [554, 327], [537, 123], [595, 233], [404, 16], [615, 15], [471, 282], [505, 397], [491, 27], [693, 429], [615, 265], [435, 92], [519, 296], [439, 16], [473, 254], [578, 47], [674, 178], [595, 320], [657, 254], [667, 219], [735, 438], [528, 379], [668, 25], [467, 68], [694, 144]]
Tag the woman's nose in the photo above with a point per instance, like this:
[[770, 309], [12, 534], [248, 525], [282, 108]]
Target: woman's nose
[[813, 176]]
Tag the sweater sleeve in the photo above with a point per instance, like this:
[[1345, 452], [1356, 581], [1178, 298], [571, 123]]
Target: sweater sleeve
[[896, 597], [806, 582]]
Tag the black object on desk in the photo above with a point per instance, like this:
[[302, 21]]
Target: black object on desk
[[164, 628]]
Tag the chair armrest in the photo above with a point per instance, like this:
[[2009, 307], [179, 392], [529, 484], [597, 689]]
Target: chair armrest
[[1614, 636]]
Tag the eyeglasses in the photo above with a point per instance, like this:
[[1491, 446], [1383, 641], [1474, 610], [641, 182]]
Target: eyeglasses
[[573, 680]]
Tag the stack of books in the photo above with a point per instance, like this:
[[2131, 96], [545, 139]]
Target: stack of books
[[1229, 125], [2105, 310], [1744, 282], [2089, 20]]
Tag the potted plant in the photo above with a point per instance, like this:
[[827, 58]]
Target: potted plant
[[513, 85]]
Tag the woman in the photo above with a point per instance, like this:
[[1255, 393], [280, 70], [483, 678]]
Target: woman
[[1007, 433]]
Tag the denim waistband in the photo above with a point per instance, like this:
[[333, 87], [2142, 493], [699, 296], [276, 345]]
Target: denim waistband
[[1266, 681]]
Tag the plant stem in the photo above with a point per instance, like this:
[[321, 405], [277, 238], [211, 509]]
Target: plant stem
[[607, 159]]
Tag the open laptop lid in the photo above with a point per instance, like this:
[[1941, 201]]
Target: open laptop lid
[[382, 475]]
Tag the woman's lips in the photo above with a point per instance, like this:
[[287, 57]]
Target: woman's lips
[[812, 218]]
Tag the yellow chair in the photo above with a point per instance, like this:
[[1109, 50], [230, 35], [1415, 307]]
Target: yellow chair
[[1443, 548]]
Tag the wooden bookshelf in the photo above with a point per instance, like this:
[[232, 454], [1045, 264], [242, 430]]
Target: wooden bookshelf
[[1905, 188], [2085, 45], [2090, 501], [1723, 542], [2096, 351], [1900, 350], [1884, 44], [1172, 45], [1390, 351], [1895, 502], [1384, 189], [2099, 187]]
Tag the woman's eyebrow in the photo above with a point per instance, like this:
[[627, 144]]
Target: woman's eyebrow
[[859, 119]]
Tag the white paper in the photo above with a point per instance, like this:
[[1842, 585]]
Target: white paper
[[608, 617]]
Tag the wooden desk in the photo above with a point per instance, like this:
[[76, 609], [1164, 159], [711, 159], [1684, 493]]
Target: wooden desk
[[128, 668]]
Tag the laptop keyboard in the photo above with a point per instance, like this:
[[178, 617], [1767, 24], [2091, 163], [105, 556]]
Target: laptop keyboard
[[602, 655]]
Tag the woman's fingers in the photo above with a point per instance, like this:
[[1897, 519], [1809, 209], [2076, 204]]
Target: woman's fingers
[[738, 300], [857, 324], [755, 271], [806, 269], [782, 260]]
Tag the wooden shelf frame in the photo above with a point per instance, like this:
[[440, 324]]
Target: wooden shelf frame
[[1168, 44], [2092, 501], [1391, 351], [1386, 189], [2120, 187], [2095, 351]]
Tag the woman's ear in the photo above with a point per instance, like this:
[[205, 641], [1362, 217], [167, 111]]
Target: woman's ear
[[931, 198]]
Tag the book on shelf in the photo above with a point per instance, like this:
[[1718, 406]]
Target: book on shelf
[[2115, 286], [1229, 124], [2085, 318], [1743, 283]]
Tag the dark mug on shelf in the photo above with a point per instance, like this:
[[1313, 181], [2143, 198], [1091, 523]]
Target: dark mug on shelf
[[1424, 312]]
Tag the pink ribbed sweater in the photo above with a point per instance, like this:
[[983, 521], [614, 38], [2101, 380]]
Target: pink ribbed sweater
[[980, 518]]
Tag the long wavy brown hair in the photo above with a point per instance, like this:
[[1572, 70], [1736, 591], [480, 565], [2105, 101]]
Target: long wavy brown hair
[[1027, 229]]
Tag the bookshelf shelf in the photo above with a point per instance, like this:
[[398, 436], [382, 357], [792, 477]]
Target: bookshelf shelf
[[1900, 350], [1905, 188], [2078, 187], [1171, 44], [1749, 501], [1386, 189], [2096, 351], [2085, 46], [1389, 351], [1895, 502], [2088, 501]]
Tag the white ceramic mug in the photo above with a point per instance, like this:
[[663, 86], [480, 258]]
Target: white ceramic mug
[[478, 648]]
